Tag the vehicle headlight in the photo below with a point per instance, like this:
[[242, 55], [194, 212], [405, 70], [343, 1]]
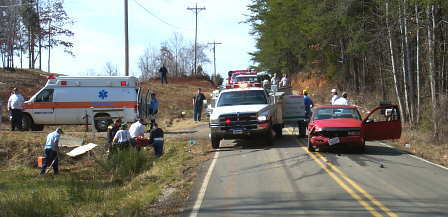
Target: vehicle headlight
[[214, 118], [262, 118], [354, 133]]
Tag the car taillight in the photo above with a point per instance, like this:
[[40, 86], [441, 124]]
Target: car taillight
[[123, 83], [228, 122], [63, 83]]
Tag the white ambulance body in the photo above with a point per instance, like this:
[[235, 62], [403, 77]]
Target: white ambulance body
[[67, 100]]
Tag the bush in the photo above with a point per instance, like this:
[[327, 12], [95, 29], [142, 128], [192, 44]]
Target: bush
[[125, 164], [35, 204]]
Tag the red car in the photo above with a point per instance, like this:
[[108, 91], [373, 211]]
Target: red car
[[340, 125]]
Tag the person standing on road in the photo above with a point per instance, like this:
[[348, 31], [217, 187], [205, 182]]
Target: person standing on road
[[308, 103], [197, 104], [51, 151], [274, 79], [156, 139], [284, 82], [342, 100], [15, 107], [334, 96], [163, 73], [153, 109]]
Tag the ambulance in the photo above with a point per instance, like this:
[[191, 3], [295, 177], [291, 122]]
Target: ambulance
[[97, 100]]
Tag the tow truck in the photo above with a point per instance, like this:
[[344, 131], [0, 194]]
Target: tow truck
[[253, 112]]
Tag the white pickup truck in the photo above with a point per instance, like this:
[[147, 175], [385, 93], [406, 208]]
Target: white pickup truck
[[254, 113]]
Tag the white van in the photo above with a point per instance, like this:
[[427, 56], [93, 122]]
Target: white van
[[68, 100]]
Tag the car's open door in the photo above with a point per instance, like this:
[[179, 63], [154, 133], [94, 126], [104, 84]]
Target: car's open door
[[382, 123]]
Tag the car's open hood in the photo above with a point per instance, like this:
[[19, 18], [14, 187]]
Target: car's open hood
[[239, 108], [339, 122]]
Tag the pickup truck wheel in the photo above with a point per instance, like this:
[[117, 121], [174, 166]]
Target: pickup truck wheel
[[269, 137], [310, 147], [215, 142], [27, 122], [302, 130]]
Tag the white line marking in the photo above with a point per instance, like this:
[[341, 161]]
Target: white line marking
[[201, 195], [416, 157]]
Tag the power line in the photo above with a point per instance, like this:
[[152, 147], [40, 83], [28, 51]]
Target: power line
[[158, 18]]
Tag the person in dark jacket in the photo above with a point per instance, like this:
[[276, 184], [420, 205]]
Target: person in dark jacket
[[156, 139], [112, 130], [163, 73], [197, 103], [153, 109]]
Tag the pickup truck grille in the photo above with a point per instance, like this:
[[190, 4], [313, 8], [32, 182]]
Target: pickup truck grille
[[238, 120]]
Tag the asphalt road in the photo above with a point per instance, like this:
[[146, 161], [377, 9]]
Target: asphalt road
[[286, 180]]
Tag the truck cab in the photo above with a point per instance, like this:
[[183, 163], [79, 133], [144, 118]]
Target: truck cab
[[246, 113]]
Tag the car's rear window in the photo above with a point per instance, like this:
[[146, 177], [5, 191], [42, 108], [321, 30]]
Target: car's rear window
[[333, 113]]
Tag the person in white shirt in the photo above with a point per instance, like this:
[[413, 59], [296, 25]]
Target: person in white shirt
[[121, 139], [334, 96], [15, 107], [274, 79], [284, 81], [137, 129], [342, 100]]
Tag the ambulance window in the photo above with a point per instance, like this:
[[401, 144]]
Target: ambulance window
[[45, 96]]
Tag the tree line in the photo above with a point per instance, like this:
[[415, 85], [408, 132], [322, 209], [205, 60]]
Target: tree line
[[30, 27], [363, 45], [176, 54]]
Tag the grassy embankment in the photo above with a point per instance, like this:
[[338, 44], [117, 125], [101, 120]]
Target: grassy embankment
[[93, 184], [420, 140]]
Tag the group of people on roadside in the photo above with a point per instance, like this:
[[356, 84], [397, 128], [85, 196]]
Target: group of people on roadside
[[339, 100], [280, 82]]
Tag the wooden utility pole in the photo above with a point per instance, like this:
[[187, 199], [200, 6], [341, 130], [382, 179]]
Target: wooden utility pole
[[196, 10], [214, 43], [126, 40]]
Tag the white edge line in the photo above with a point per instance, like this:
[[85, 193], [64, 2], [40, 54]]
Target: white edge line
[[201, 194], [416, 157]]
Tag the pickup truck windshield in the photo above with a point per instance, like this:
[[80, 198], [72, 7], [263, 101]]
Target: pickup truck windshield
[[248, 97]]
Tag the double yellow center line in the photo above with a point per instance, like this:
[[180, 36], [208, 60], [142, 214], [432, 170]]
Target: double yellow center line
[[350, 186]]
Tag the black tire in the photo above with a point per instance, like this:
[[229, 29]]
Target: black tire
[[278, 129], [302, 129], [362, 149], [310, 147], [215, 142], [27, 122], [101, 125]]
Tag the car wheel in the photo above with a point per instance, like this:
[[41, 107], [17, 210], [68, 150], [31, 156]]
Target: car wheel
[[215, 142], [102, 124], [27, 122], [310, 147], [362, 149], [269, 137]]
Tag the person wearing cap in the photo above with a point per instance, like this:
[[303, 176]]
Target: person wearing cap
[[308, 103], [156, 139], [51, 151], [153, 109], [334, 96], [121, 139], [15, 107], [342, 100], [284, 81]]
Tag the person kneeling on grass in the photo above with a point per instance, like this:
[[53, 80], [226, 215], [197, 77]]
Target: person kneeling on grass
[[156, 139], [51, 152], [121, 139]]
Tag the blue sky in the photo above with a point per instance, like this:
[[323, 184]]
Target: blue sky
[[99, 36]]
